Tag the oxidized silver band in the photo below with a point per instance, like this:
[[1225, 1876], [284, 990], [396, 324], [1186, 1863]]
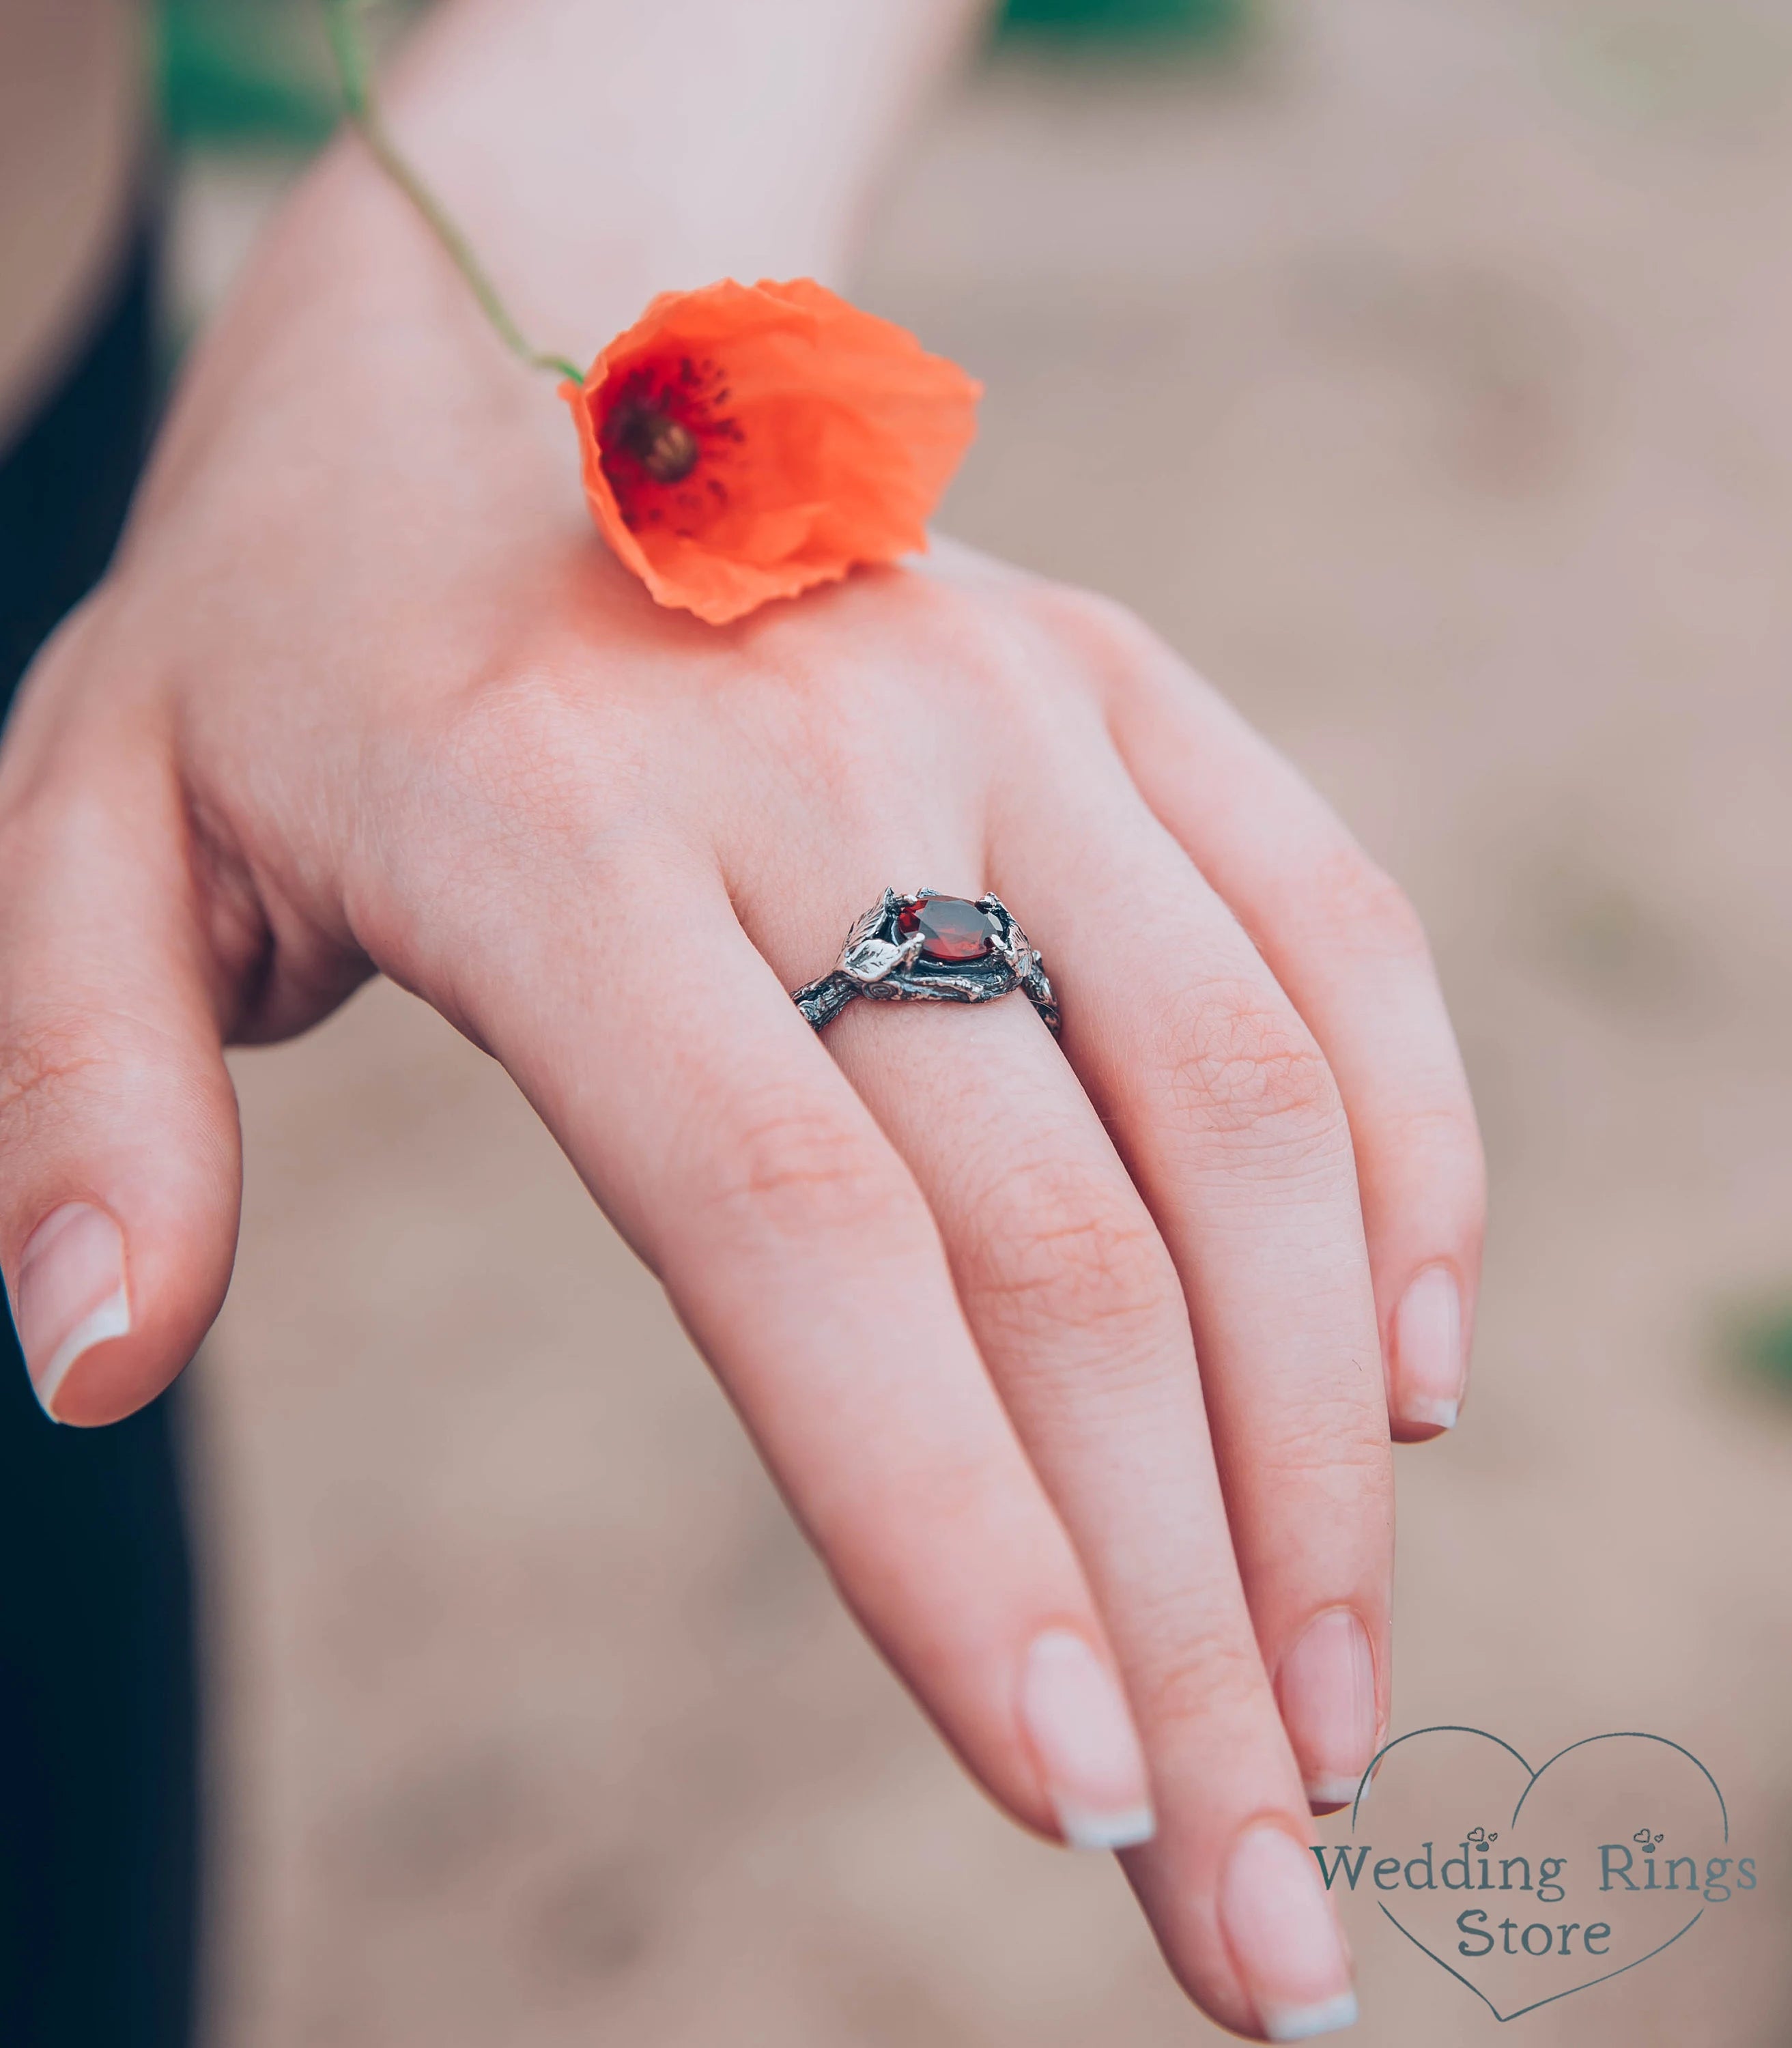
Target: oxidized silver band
[[928, 948]]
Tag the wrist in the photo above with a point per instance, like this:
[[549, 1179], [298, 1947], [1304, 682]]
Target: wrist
[[750, 157], [597, 151]]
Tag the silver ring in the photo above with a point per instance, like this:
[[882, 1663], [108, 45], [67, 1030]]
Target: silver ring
[[928, 948]]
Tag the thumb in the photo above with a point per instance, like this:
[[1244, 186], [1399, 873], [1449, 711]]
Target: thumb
[[120, 1158]]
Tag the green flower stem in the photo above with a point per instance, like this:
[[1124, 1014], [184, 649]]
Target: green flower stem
[[358, 98]]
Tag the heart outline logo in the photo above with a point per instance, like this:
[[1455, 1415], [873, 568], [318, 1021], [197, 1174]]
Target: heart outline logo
[[1531, 1779]]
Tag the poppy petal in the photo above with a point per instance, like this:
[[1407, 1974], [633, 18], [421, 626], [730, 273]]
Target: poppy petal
[[746, 442]]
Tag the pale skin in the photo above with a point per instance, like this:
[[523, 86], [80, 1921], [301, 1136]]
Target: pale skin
[[1100, 1346]]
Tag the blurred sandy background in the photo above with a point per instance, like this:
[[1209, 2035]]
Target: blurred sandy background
[[1423, 373]]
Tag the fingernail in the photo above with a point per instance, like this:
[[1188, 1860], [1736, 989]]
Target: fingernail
[[1327, 1689], [71, 1293], [1083, 1737], [1429, 1365], [1284, 1940]]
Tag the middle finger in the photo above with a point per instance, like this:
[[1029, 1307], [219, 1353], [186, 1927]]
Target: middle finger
[[1231, 1126], [1081, 1318]]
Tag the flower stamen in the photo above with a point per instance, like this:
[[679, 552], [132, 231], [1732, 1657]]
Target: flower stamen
[[664, 448]]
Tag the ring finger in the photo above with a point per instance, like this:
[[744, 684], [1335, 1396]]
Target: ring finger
[[1081, 1317]]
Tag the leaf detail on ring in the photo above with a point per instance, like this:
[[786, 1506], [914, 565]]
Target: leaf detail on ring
[[870, 959]]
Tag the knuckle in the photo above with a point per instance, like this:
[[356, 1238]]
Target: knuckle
[[1442, 1142], [1244, 1068], [832, 752], [1334, 1446], [1205, 1669], [1119, 649], [39, 1062], [1364, 906], [525, 750], [801, 1171], [1070, 1254], [515, 783], [1100, 622]]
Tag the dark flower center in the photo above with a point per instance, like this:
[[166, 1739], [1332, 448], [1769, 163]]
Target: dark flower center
[[664, 446], [669, 452]]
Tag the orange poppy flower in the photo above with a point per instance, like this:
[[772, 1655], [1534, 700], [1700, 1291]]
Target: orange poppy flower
[[746, 441]]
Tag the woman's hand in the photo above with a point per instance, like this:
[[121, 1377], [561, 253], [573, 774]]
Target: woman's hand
[[1070, 1359]]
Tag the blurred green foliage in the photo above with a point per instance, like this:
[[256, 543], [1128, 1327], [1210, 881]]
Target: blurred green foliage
[[236, 72], [1761, 1342], [1186, 20], [245, 72]]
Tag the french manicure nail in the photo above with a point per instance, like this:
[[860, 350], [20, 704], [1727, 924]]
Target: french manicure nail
[[1327, 1691], [1284, 1940], [1429, 1364], [71, 1293], [1083, 1737]]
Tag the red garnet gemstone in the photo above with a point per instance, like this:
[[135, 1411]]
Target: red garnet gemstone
[[951, 928]]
